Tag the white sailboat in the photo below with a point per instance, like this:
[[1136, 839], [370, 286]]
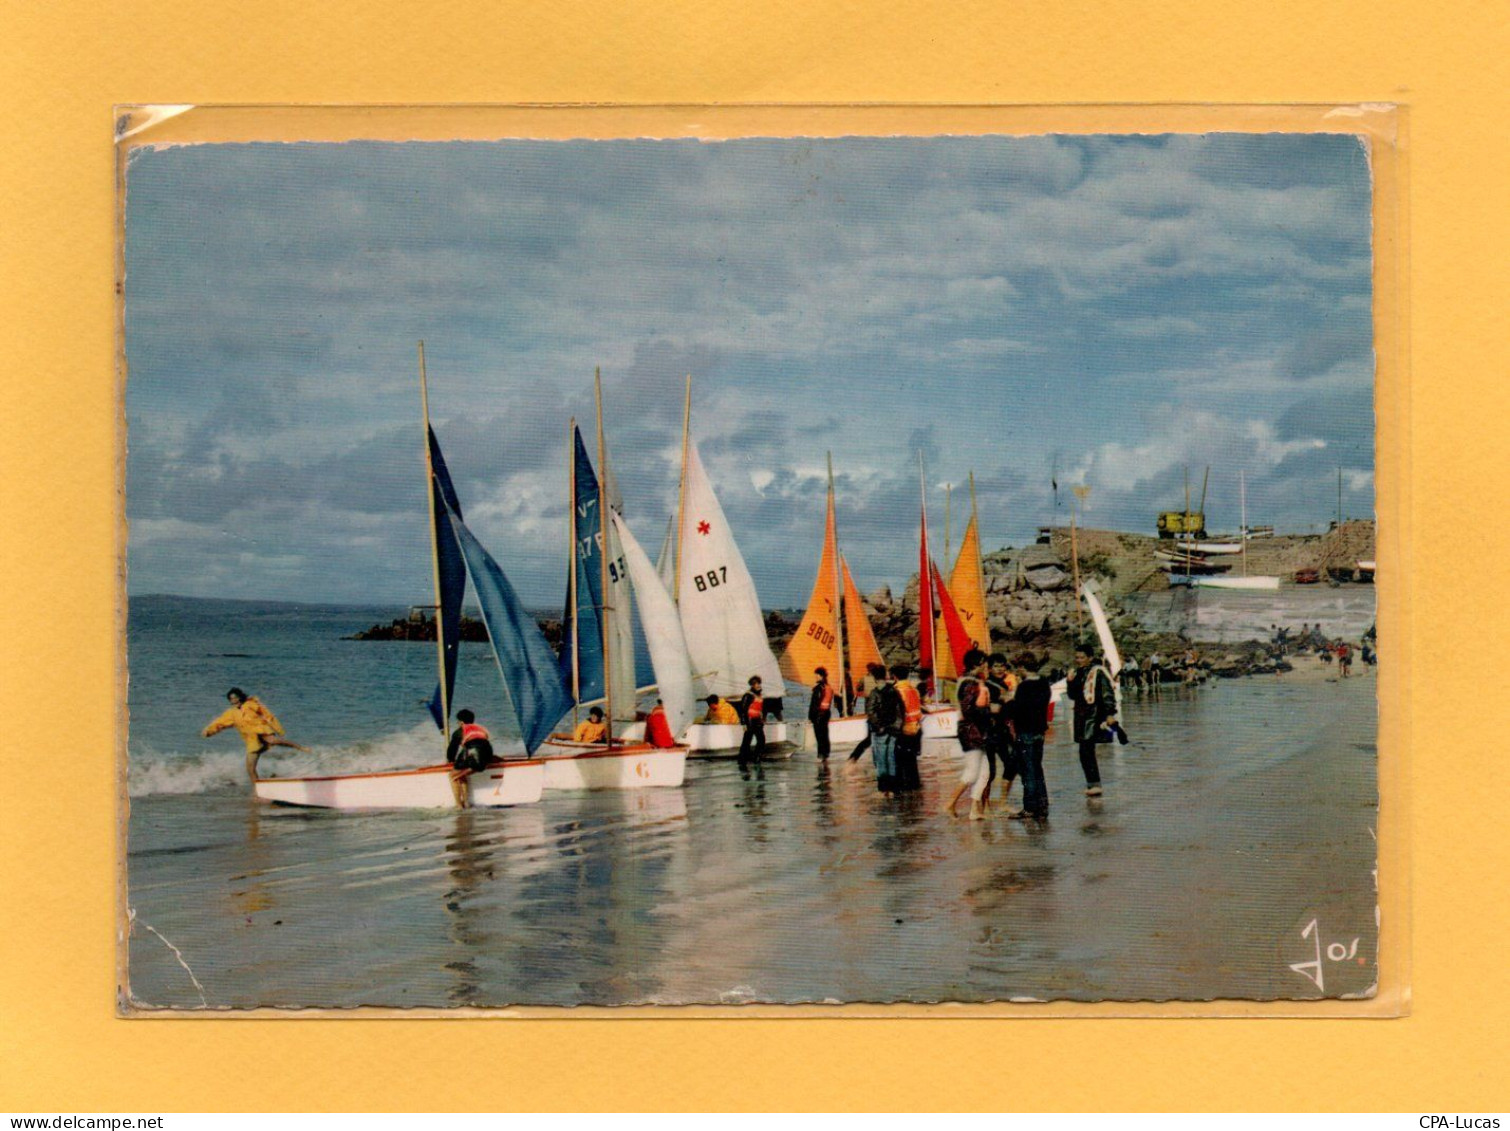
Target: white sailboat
[[1244, 581], [599, 648], [454, 554], [719, 608]]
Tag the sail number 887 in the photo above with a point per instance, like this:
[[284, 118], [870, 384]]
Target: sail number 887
[[711, 580]]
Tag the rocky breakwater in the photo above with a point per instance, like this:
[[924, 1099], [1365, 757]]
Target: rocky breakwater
[[418, 627]]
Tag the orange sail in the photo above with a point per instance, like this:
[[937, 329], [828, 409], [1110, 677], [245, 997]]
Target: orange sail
[[816, 642], [967, 585], [859, 638]]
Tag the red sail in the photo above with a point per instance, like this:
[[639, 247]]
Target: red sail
[[954, 627], [925, 606]]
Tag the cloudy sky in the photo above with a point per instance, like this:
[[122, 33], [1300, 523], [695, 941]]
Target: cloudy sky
[[1121, 308]]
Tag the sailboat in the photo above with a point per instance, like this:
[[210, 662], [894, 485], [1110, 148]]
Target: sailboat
[[820, 637], [1244, 581], [1109, 651], [719, 608], [597, 659], [940, 718], [525, 663]]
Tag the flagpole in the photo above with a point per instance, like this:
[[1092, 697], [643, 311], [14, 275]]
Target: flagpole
[[440, 632]]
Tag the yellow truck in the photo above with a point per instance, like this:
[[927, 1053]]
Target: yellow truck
[[1175, 524]]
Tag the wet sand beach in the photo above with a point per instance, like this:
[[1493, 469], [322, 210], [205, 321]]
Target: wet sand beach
[[1243, 811]]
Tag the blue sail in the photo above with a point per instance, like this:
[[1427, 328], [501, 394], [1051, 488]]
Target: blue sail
[[453, 577], [588, 622], [525, 660]]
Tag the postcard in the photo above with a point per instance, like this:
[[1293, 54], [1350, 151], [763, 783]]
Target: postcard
[[869, 569]]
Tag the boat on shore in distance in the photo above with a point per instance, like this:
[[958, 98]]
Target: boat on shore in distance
[[526, 666], [1243, 580], [606, 569]]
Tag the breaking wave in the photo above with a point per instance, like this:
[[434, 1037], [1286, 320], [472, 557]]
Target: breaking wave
[[223, 769]]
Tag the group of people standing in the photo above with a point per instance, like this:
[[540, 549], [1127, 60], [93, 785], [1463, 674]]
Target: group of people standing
[[1005, 710]]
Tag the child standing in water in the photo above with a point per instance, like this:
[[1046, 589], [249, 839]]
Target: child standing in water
[[257, 726]]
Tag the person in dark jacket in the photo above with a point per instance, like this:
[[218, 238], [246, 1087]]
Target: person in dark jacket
[[1001, 754], [1028, 713], [752, 711], [820, 710], [884, 712], [875, 674], [1090, 690], [973, 694]]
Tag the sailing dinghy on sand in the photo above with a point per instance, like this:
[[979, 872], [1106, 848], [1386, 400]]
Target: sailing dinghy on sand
[[597, 659], [525, 665], [834, 612]]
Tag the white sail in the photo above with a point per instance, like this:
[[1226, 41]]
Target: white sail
[[663, 632], [620, 619], [665, 564], [1104, 632], [720, 609]]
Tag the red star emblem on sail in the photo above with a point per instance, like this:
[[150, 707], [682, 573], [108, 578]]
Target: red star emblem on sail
[[703, 528]]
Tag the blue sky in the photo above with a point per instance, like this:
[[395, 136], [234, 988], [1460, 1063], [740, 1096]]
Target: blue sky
[[1121, 307]]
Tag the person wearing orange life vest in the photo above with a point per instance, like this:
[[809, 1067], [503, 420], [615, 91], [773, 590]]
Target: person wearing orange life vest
[[470, 750], [658, 729], [752, 710], [592, 728], [910, 739], [820, 710], [258, 727]]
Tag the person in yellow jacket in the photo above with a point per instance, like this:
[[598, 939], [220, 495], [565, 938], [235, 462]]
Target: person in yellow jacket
[[720, 711], [592, 728], [257, 726]]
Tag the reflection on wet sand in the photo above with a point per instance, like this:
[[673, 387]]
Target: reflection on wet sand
[[1217, 842]]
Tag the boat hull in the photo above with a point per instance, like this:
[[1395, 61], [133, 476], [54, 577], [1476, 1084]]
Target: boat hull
[[846, 731], [580, 765], [511, 783], [712, 740], [940, 722], [1236, 582]]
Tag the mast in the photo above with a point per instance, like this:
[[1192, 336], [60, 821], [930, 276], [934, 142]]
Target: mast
[[927, 633], [440, 632], [1242, 495], [1075, 560], [571, 566], [1339, 498], [980, 572], [1185, 533], [597, 382], [1205, 479], [948, 542], [838, 598], [681, 493]]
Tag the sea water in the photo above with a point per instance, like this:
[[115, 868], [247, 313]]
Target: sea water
[[1232, 854]]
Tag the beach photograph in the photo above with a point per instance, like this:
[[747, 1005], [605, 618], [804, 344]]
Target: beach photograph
[[774, 571]]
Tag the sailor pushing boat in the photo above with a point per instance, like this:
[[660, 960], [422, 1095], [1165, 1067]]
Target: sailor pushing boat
[[259, 728]]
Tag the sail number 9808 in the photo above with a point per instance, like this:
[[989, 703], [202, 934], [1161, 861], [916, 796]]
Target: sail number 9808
[[822, 635], [712, 579]]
